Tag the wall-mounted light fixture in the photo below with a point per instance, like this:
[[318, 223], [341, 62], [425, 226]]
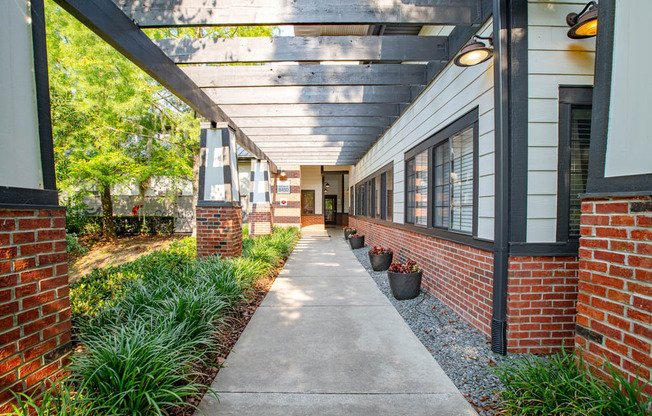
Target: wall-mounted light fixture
[[585, 23], [476, 52], [283, 176], [327, 185]]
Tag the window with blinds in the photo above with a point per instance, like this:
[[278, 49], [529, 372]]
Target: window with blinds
[[580, 138], [410, 191], [389, 195], [461, 180], [417, 189], [441, 175]]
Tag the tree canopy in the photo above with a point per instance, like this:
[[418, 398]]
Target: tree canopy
[[112, 123]]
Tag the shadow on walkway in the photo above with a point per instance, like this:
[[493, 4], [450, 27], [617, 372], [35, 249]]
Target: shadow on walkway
[[326, 341]]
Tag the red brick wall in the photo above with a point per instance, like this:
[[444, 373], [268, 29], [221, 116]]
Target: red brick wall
[[313, 222], [219, 231], [459, 275], [541, 296], [261, 220], [34, 303], [615, 289], [289, 215]]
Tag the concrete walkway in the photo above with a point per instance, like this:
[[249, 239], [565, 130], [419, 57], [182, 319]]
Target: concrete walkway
[[326, 341]]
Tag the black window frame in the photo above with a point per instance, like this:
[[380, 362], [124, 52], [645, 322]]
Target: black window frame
[[468, 120], [368, 190], [570, 96]]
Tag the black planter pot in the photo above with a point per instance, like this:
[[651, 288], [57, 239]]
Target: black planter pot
[[380, 262], [356, 242], [348, 234], [405, 285]]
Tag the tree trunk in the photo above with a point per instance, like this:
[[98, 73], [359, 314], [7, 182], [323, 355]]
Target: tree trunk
[[108, 228], [196, 161]]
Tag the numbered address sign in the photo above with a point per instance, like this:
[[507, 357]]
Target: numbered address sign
[[282, 187]]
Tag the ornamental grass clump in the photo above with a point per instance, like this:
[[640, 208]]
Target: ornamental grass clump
[[409, 267], [146, 326], [564, 385]]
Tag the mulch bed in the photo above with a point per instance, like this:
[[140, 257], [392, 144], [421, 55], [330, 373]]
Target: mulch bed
[[226, 337]]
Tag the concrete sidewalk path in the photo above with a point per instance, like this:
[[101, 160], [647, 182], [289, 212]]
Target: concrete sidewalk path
[[326, 341]]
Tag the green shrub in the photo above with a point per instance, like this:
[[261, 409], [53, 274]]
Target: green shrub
[[144, 324], [58, 400], [136, 369], [133, 225], [73, 246], [560, 385], [103, 287]]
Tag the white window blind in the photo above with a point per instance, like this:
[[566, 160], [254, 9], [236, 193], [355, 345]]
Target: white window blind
[[461, 156]]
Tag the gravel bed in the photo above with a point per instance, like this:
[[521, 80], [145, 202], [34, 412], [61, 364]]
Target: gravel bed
[[463, 352]]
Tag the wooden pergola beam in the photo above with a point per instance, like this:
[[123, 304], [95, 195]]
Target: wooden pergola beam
[[107, 20], [310, 95], [303, 131], [267, 122], [306, 48], [165, 13], [305, 75], [312, 110], [317, 138]]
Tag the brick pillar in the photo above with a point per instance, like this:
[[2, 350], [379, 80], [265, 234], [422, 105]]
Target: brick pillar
[[219, 231], [219, 215], [260, 217], [541, 297], [614, 310], [286, 207], [34, 303], [261, 221]]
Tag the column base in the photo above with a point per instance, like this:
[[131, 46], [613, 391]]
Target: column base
[[261, 220], [219, 231]]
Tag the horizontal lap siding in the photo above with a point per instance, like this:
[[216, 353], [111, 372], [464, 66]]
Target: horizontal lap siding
[[452, 94], [553, 60]]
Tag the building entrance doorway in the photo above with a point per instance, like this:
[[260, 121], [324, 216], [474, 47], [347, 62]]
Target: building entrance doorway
[[330, 209]]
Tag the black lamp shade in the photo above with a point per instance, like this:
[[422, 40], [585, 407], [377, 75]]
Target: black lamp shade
[[583, 26], [473, 54]]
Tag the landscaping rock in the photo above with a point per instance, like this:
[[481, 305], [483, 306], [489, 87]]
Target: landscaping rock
[[463, 352]]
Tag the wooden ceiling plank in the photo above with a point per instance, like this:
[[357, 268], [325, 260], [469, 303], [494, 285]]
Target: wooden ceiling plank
[[305, 48], [166, 13]]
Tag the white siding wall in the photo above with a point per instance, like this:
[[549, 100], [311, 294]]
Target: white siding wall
[[311, 179], [629, 143], [20, 157], [553, 60], [452, 94]]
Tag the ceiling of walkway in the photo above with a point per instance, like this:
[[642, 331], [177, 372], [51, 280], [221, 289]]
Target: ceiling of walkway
[[325, 95]]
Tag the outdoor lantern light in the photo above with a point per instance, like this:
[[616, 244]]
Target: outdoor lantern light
[[283, 176], [476, 52], [585, 24], [327, 185]]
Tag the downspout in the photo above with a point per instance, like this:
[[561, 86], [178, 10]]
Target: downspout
[[502, 175]]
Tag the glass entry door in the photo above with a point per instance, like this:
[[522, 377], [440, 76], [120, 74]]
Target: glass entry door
[[330, 209]]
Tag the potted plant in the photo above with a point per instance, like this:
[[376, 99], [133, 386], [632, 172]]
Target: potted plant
[[356, 241], [348, 232], [405, 280], [380, 258]]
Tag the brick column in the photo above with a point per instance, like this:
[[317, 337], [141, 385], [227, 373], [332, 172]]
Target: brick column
[[261, 220], [34, 303], [614, 309], [541, 297], [219, 215], [286, 207], [219, 231]]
